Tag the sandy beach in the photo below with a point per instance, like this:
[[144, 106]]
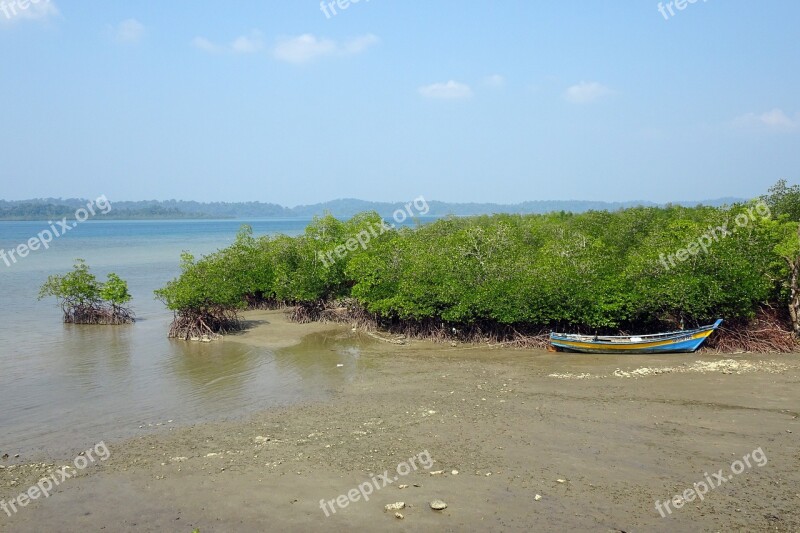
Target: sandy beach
[[519, 440]]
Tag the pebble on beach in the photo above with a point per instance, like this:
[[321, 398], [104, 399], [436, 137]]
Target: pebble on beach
[[438, 505]]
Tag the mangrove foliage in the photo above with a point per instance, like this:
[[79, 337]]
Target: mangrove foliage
[[638, 269], [85, 300]]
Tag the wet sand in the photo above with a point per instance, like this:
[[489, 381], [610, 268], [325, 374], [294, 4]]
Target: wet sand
[[598, 438]]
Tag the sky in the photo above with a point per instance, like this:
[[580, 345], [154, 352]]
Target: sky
[[389, 100]]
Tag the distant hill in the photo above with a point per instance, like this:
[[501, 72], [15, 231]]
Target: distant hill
[[50, 208], [348, 207]]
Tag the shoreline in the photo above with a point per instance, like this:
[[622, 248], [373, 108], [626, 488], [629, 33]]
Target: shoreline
[[511, 422]]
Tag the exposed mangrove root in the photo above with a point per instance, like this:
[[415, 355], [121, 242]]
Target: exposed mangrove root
[[345, 310], [306, 312], [258, 302], [208, 324], [350, 312], [97, 314], [490, 335], [769, 332]]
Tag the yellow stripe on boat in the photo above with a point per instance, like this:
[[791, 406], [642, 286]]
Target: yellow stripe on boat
[[637, 346]]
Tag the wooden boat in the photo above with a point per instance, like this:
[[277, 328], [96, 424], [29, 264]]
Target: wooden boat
[[683, 341]]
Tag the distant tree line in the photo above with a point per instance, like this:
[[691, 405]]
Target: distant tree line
[[50, 211], [46, 208]]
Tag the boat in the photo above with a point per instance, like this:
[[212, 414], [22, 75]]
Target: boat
[[683, 341]]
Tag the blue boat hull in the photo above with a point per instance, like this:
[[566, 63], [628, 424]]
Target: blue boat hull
[[675, 342]]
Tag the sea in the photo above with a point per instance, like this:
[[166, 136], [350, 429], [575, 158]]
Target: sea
[[64, 386]]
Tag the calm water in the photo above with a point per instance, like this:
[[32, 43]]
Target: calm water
[[66, 385]]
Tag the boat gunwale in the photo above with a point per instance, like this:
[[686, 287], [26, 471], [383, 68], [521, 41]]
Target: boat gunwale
[[626, 339]]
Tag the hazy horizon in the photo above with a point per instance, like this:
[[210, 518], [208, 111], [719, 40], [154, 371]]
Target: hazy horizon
[[391, 201]]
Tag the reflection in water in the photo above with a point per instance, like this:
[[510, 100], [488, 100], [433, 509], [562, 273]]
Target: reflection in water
[[111, 382], [81, 344], [317, 357], [213, 374], [66, 386]]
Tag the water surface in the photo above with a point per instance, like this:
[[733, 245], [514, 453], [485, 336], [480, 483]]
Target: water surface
[[67, 385]]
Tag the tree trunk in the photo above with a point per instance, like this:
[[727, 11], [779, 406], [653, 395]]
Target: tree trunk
[[794, 299], [794, 287]]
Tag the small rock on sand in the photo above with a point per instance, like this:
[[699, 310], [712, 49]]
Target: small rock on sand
[[395, 506], [438, 505]]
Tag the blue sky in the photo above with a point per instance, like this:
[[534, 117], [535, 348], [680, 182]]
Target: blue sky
[[389, 100]]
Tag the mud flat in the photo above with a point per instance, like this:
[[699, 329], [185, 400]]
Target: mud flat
[[521, 441]]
